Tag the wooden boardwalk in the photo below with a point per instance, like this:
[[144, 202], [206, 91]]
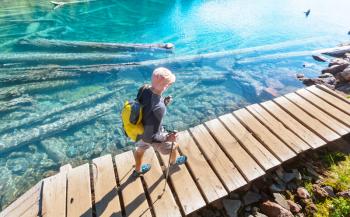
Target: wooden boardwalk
[[224, 155]]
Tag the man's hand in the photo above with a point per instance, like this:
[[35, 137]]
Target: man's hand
[[167, 100], [171, 137]]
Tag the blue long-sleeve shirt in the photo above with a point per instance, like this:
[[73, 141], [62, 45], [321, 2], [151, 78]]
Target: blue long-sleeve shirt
[[154, 110]]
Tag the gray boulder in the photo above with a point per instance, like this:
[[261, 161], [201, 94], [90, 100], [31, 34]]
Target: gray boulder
[[251, 197], [344, 75], [335, 69], [232, 207]]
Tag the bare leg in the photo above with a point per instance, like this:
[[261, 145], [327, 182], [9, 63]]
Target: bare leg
[[138, 158]]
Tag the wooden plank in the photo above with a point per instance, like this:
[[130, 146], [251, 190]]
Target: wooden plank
[[27, 205], [313, 111], [314, 124], [54, 195], [326, 107], [284, 134], [308, 136], [276, 146], [265, 159], [132, 192], [188, 194], [107, 201], [333, 92], [221, 164], [340, 104], [204, 176], [244, 162], [162, 199], [79, 192], [65, 168]]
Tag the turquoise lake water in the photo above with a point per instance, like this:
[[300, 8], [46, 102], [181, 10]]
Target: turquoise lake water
[[74, 117]]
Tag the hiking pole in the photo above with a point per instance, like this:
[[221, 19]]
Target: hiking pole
[[168, 168]]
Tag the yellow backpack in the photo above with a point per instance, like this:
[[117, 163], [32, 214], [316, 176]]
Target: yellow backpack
[[132, 117]]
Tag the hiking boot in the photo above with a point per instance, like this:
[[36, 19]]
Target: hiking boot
[[144, 169]]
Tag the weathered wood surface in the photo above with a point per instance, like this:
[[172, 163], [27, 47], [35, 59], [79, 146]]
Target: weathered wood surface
[[275, 145], [244, 162], [131, 188], [189, 196], [307, 135], [332, 99], [207, 180], [326, 107], [261, 154], [161, 197], [79, 192], [54, 195], [27, 205], [288, 137], [224, 155], [333, 92], [312, 123], [226, 170], [313, 111], [107, 201]]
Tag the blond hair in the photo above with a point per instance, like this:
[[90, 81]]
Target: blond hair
[[163, 74]]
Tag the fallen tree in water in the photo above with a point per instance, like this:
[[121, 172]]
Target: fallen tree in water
[[18, 90], [79, 46], [53, 113], [27, 75], [60, 4], [55, 72], [36, 58], [9, 142], [15, 103]]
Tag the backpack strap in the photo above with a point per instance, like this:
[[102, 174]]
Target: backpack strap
[[140, 91]]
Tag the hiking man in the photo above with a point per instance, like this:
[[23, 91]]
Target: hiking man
[[154, 109]]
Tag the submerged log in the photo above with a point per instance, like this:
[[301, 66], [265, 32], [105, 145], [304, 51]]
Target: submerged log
[[60, 4], [78, 46], [30, 75], [15, 103], [39, 33], [34, 58], [18, 90], [53, 113], [10, 142]]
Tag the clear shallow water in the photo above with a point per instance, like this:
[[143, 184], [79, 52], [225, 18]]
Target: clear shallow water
[[76, 118]]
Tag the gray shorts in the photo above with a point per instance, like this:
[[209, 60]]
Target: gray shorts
[[163, 148]]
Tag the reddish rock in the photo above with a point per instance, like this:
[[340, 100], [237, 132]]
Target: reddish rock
[[272, 209]]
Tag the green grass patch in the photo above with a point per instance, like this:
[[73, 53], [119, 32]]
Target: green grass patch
[[338, 175], [335, 207]]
